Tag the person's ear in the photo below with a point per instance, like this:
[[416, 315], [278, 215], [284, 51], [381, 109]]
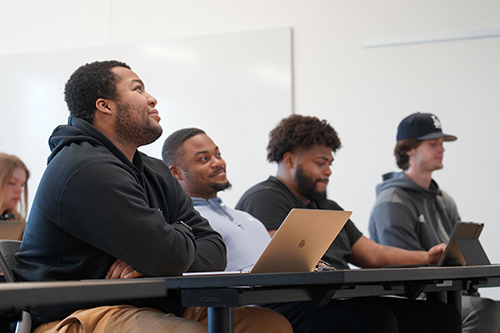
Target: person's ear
[[289, 160], [103, 105], [177, 172]]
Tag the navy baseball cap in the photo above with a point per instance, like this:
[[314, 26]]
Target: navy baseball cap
[[422, 126]]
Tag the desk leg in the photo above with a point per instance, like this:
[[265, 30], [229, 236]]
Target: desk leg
[[220, 320], [455, 299], [441, 296]]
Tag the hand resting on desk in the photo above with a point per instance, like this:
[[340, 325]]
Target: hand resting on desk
[[122, 270]]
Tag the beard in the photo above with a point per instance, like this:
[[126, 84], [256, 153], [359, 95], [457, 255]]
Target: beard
[[217, 187], [206, 188], [308, 186], [132, 131]]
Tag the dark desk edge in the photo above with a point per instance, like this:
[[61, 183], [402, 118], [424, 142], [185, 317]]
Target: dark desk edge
[[23, 294], [333, 277]]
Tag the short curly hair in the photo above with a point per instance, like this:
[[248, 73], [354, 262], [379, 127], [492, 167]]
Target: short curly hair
[[300, 131], [89, 83], [401, 149]]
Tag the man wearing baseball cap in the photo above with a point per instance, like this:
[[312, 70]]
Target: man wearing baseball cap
[[413, 213]]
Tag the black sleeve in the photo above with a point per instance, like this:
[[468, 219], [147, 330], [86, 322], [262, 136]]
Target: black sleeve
[[114, 215], [267, 205], [353, 233]]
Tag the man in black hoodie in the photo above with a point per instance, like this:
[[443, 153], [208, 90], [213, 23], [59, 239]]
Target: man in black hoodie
[[413, 213], [103, 209]]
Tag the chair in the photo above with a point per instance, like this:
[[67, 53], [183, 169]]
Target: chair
[[8, 248]]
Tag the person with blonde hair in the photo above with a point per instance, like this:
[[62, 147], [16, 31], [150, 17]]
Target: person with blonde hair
[[13, 188]]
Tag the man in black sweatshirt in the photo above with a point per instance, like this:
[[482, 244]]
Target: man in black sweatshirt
[[102, 202]]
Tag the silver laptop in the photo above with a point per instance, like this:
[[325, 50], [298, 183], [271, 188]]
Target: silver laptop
[[298, 244], [11, 229], [301, 240]]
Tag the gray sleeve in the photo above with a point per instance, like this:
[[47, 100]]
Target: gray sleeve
[[394, 224]]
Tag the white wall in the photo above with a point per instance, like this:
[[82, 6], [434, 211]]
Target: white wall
[[364, 93], [238, 77]]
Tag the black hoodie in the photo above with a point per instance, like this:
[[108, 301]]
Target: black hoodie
[[94, 206]]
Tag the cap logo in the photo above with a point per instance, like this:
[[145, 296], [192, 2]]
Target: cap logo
[[437, 123]]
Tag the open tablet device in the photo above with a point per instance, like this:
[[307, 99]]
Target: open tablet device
[[464, 248]]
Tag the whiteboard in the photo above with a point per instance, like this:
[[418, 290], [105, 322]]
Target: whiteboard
[[235, 86]]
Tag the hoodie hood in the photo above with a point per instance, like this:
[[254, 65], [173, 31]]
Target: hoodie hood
[[399, 179], [79, 131]]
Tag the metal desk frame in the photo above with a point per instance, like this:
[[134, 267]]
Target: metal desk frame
[[221, 293]]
